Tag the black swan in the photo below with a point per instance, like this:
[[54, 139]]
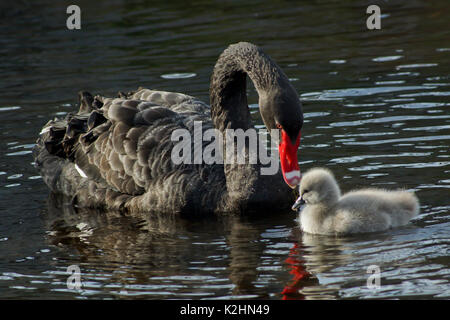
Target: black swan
[[115, 153]]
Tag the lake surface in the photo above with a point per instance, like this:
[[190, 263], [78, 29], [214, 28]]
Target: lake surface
[[377, 113]]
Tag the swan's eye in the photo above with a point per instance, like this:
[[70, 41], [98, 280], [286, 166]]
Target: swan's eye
[[305, 191], [279, 126]]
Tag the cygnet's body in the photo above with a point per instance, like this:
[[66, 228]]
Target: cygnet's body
[[365, 210]]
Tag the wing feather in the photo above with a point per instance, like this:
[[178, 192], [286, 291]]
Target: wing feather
[[124, 144]]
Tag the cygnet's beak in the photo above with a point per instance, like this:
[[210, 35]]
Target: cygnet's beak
[[298, 204]]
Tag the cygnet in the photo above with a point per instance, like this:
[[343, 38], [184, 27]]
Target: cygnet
[[360, 211]]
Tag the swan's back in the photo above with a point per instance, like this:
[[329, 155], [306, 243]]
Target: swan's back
[[392, 202], [369, 210], [117, 151]]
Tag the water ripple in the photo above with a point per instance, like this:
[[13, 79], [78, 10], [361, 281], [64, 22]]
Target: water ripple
[[359, 92], [386, 120], [418, 165], [390, 141]]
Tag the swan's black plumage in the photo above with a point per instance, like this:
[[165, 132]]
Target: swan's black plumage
[[115, 153]]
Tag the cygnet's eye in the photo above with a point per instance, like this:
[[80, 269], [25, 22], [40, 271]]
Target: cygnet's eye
[[305, 191]]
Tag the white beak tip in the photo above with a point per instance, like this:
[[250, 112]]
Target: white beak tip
[[293, 178]]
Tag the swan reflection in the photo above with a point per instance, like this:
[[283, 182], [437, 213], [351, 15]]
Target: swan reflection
[[165, 256]]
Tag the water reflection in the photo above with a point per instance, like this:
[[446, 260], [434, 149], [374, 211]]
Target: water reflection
[[302, 283], [141, 255], [341, 263]]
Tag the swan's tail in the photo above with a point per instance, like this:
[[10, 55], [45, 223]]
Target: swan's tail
[[54, 150]]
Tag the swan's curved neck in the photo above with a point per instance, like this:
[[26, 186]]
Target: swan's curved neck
[[229, 107], [229, 110]]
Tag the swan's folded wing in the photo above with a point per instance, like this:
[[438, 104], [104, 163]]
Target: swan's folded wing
[[125, 143], [177, 102]]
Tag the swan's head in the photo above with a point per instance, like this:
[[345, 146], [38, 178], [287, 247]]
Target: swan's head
[[318, 186], [282, 110]]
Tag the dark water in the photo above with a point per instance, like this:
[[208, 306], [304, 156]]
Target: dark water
[[377, 113]]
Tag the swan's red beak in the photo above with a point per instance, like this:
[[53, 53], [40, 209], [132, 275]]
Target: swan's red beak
[[288, 159]]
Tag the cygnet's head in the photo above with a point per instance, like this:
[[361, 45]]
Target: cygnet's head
[[318, 186]]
